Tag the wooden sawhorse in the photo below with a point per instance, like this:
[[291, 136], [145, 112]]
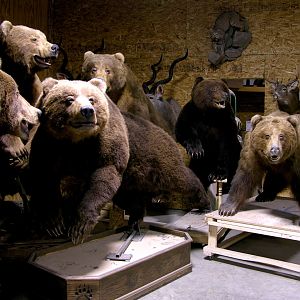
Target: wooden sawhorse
[[254, 219]]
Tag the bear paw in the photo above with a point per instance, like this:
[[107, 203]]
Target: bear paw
[[15, 150], [228, 208], [219, 174], [194, 149], [81, 230], [55, 227]]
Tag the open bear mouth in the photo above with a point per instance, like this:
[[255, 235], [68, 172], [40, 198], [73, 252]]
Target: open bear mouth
[[221, 104], [274, 158], [42, 62]]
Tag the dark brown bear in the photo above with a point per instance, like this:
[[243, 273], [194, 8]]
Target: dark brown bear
[[272, 146], [24, 51], [94, 154], [122, 85], [207, 129]]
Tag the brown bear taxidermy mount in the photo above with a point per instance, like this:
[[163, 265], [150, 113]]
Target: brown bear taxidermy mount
[[96, 154], [272, 146], [24, 51]]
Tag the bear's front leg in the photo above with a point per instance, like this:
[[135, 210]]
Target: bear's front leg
[[194, 148], [15, 150], [103, 185]]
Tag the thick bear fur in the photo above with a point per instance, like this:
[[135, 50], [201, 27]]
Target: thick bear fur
[[272, 146], [207, 129], [95, 154], [17, 117], [123, 87], [24, 51]]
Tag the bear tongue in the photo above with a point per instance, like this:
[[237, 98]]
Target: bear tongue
[[43, 62]]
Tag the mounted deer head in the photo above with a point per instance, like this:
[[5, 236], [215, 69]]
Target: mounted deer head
[[286, 95]]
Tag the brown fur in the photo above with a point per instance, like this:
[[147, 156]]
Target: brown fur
[[209, 93], [20, 45], [256, 159], [87, 153], [122, 85], [118, 159], [16, 117]]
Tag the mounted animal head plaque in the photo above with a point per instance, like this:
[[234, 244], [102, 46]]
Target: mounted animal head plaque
[[230, 36]]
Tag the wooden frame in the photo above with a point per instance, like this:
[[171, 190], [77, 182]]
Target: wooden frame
[[98, 278], [254, 219]]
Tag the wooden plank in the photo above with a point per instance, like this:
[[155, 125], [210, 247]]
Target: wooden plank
[[251, 257], [266, 217]]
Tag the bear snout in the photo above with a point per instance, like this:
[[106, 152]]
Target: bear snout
[[54, 50], [87, 111], [275, 151]]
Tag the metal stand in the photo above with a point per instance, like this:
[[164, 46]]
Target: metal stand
[[119, 255]]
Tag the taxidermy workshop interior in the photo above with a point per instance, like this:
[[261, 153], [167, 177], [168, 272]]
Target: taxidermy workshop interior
[[149, 149]]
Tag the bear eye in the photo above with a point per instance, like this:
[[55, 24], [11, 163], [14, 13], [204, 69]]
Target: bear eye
[[267, 136], [92, 100], [281, 137], [69, 100], [107, 71], [94, 70], [34, 39]]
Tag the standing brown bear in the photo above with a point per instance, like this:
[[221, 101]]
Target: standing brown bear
[[272, 146], [123, 87], [24, 51], [95, 154]]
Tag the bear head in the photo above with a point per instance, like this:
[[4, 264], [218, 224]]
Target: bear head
[[17, 116], [26, 46], [274, 138], [210, 93], [74, 110], [109, 67]]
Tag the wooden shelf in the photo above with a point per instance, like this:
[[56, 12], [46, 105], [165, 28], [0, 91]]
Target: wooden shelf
[[253, 89]]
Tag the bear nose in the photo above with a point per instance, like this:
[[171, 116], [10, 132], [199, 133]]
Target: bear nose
[[274, 151], [87, 111], [54, 48]]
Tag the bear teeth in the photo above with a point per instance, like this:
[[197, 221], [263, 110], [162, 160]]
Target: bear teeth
[[44, 62]]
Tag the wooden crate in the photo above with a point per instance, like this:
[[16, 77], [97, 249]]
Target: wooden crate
[[84, 272]]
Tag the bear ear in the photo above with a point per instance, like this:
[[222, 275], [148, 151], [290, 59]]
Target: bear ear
[[294, 120], [120, 57], [88, 54], [99, 83], [255, 120], [48, 84], [6, 26]]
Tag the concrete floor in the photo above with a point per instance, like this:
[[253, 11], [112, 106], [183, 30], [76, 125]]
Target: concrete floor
[[226, 278], [229, 280], [218, 279]]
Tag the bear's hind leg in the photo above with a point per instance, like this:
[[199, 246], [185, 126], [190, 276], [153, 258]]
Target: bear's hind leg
[[273, 184]]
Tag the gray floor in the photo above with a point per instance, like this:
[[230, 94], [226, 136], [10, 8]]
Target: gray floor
[[224, 278]]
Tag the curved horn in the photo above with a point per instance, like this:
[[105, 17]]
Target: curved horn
[[155, 68], [171, 70], [101, 48], [63, 72]]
